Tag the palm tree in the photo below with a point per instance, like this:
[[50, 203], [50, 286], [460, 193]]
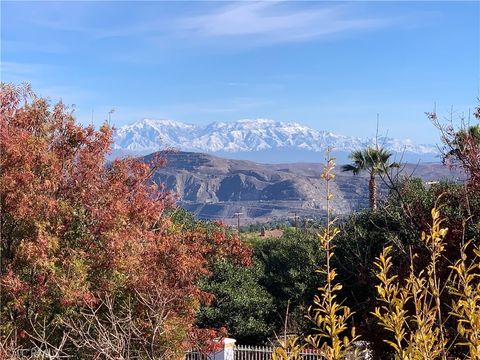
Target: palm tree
[[376, 161], [463, 149], [474, 132], [465, 139]]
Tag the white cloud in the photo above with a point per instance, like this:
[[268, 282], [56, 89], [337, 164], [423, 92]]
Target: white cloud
[[278, 21], [259, 23]]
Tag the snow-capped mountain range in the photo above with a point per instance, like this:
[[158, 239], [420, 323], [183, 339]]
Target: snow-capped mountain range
[[147, 135]]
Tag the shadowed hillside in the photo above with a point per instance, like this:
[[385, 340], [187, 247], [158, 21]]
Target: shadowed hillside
[[217, 188]]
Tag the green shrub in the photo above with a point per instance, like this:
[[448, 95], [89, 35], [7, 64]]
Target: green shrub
[[240, 303]]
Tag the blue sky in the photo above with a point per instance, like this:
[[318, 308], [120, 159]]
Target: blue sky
[[330, 65]]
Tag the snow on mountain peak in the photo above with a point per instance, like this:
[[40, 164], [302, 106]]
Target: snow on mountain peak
[[150, 135], [166, 122]]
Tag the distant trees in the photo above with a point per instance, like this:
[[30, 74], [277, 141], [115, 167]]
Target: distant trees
[[376, 161], [92, 263]]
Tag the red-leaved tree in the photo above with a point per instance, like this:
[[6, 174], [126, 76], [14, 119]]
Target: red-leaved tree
[[91, 265]]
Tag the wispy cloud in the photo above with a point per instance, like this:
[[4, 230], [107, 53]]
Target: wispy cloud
[[198, 111], [15, 68], [88, 19], [248, 23], [17, 72], [46, 46], [279, 21]]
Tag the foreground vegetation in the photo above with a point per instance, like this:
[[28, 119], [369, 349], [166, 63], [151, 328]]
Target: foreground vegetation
[[405, 274], [427, 293], [93, 262], [97, 261]]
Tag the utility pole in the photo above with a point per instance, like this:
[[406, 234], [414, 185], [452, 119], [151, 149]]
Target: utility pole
[[110, 115], [237, 214], [295, 217], [306, 224]]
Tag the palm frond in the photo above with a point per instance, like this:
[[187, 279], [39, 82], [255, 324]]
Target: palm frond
[[372, 159], [351, 168]]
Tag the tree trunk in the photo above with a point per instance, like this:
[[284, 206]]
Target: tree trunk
[[372, 185]]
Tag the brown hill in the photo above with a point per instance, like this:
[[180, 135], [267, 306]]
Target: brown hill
[[217, 188]]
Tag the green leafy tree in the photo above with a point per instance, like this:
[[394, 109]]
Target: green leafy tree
[[376, 161], [240, 303], [289, 263]]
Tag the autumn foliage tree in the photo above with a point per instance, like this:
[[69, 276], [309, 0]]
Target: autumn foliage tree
[[461, 146], [82, 239]]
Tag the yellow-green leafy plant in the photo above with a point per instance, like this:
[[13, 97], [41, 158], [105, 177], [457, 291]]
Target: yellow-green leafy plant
[[466, 305], [411, 310], [392, 315], [330, 317], [289, 348]]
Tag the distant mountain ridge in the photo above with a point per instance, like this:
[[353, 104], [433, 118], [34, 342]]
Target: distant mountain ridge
[[245, 136], [216, 188]]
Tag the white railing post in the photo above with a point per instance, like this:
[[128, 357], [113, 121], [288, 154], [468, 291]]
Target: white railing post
[[229, 349], [226, 351]]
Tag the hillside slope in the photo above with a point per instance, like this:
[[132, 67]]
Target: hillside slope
[[217, 188]]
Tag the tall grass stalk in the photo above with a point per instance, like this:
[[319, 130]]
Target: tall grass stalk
[[329, 317]]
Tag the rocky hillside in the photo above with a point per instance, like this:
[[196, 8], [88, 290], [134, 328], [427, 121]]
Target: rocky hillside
[[217, 188]]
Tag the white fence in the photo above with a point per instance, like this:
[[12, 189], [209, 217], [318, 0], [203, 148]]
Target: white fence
[[226, 352], [193, 355], [243, 352], [265, 353], [248, 353]]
